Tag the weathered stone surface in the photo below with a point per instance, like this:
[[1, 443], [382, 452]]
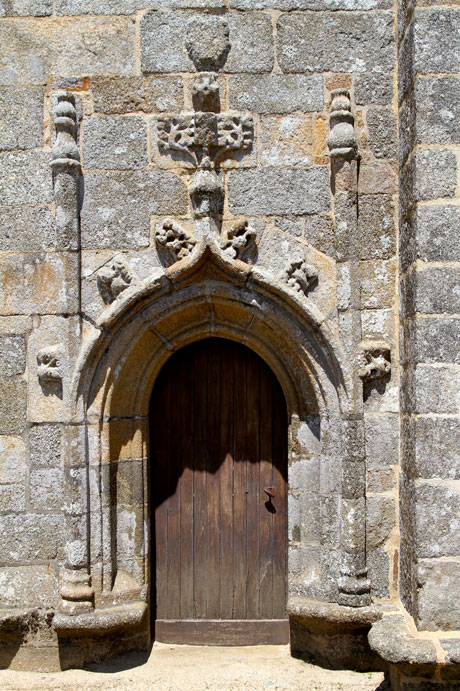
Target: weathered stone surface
[[439, 595], [381, 125], [437, 290], [320, 233], [452, 647], [436, 448], [276, 93], [436, 35], [437, 521], [26, 8], [435, 390], [66, 47], [13, 405], [12, 355], [278, 191], [12, 460], [435, 174], [437, 229], [117, 207], [114, 143], [342, 42], [378, 324], [25, 178], [382, 440], [22, 586], [376, 227], [117, 95], [162, 32], [26, 229], [377, 177], [373, 88], [286, 141], [378, 568], [21, 118], [377, 283], [27, 537], [381, 520], [76, 7], [392, 640], [46, 489], [12, 498], [45, 445], [438, 110], [23, 277], [436, 340], [287, 5]]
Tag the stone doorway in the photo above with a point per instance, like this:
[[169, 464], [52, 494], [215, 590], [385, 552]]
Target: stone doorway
[[219, 498]]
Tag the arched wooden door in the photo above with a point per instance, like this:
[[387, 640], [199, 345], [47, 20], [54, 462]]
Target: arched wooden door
[[218, 451]]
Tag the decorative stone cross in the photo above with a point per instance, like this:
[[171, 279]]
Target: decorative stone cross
[[205, 137]]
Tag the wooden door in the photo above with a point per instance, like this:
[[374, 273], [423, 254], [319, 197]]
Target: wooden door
[[218, 440]]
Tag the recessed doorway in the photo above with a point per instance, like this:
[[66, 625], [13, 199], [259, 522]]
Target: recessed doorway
[[218, 498]]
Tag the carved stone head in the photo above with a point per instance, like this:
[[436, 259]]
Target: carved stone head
[[49, 364]]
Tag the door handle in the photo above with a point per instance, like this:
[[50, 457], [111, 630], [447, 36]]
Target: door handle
[[270, 492]]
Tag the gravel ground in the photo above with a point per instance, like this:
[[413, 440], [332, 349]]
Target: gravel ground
[[193, 668]]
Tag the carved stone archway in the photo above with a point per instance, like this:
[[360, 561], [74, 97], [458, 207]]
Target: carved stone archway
[[105, 585]]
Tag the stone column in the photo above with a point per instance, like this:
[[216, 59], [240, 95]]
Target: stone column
[[76, 593], [354, 587]]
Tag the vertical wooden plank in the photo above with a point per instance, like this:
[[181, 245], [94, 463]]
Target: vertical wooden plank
[[253, 485], [266, 508], [174, 471], [159, 497], [212, 574], [200, 579], [279, 462], [186, 422], [240, 487], [226, 482]]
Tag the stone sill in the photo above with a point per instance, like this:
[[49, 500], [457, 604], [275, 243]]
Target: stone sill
[[391, 637], [100, 621]]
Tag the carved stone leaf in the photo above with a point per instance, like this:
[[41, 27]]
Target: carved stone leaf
[[234, 132], [300, 276], [177, 133], [240, 238], [173, 241]]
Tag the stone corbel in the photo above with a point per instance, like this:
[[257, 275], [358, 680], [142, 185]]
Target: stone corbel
[[376, 359], [114, 278]]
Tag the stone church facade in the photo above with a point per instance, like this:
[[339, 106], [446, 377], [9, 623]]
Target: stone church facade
[[279, 174]]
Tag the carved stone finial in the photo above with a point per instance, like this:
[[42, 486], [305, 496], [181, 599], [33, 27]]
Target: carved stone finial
[[173, 241], [240, 239], [376, 360], [65, 150], [114, 278], [300, 276], [208, 42], [342, 140], [49, 364]]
